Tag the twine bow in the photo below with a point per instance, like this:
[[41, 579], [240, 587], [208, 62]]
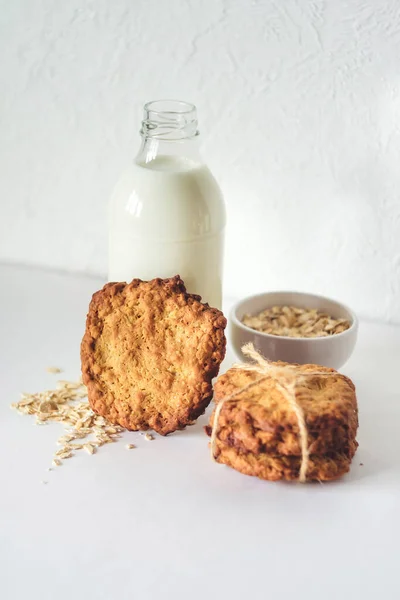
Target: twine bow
[[286, 378]]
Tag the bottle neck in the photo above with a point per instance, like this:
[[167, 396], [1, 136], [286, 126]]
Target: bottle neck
[[169, 128], [151, 149]]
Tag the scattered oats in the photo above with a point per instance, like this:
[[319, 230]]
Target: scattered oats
[[86, 431], [87, 423], [80, 436], [53, 370], [68, 405], [65, 448], [111, 430], [25, 401], [130, 446], [66, 454], [148, 437], [64, 439], [291, 321], [90, 448]]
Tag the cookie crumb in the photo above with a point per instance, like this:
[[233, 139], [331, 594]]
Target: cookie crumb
[[53, 370], [129, 446], [149, 437]]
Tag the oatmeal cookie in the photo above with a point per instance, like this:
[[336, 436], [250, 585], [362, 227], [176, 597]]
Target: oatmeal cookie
[[260, 420], [321, 467], [149, 353]]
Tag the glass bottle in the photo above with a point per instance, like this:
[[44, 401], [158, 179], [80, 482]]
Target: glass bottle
[[167, 213]]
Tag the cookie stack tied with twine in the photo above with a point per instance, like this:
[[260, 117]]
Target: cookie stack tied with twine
[[276, 420]]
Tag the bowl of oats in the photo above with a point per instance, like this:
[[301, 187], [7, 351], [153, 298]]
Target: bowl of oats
[[295, 327]]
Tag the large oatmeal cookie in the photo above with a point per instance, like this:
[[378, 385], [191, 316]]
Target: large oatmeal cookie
[[149, 353]]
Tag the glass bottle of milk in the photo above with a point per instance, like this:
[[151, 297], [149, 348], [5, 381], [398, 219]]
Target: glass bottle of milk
[[167, 211]]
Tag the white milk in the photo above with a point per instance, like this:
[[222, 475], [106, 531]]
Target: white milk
[[168, 218]]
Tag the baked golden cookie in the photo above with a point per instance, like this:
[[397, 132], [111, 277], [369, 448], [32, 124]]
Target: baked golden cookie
[[149, 353], [261, 420], [321, 467], [258, 431]]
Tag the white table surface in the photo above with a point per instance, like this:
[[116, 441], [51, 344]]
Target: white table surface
[[164, 521]]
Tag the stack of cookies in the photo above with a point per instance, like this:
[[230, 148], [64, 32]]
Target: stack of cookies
[[257, 430]]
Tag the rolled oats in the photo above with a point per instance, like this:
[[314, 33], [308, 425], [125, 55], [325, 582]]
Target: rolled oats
[[68, 405], [292, 321]]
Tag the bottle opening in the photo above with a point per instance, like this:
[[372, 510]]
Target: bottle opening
[[170, 106], [169, 120]]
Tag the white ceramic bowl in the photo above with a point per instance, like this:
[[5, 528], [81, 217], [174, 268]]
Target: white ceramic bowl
[[331, 351]]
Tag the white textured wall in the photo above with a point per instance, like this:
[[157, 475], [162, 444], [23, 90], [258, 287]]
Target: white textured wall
[[299, 106]]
